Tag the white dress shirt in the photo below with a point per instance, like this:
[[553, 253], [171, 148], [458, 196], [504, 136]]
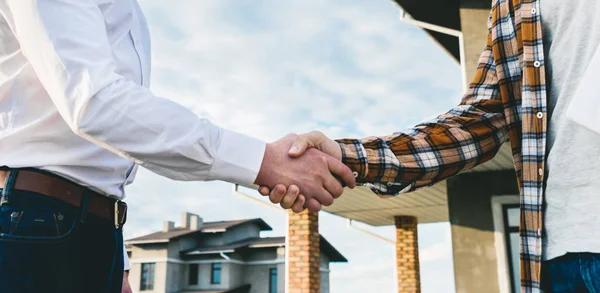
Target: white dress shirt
[[74, 101]]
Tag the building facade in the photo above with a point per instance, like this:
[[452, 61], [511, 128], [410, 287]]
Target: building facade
[[215, 257]]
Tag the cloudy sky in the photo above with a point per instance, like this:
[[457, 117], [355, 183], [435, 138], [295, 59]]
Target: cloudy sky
[[269, 67]]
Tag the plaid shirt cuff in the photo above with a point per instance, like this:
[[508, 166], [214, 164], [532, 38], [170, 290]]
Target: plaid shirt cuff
[[355, 157]]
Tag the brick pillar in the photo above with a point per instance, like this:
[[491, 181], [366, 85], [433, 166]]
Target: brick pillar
[[303, 250], [407, 254]]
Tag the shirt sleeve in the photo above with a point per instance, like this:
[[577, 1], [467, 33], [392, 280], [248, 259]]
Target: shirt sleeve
[[67, 46], [467, 135]]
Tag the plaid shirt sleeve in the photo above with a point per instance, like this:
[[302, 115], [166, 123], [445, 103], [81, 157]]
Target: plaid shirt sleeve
[[460, 139]]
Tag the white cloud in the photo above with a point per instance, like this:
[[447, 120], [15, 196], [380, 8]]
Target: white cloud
[[269, 67], [439, 251], [350, 64]]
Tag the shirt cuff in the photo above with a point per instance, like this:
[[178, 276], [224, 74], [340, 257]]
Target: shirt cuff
[[126, 263], [355, 157], [238, 158]]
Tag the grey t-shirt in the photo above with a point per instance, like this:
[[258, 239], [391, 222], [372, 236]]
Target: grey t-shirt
[[572, 220]]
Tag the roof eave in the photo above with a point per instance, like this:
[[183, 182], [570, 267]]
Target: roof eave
[[153, 241]]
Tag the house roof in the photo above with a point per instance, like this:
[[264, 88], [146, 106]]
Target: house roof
[[241, 289], [333, 254], [250, 243], [446, 14], [208, 227]]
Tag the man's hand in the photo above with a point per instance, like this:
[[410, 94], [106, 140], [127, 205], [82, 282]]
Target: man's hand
[[126, 288], [289, 197], [312, 173]]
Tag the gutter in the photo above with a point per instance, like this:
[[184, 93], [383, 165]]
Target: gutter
[[406, 18]]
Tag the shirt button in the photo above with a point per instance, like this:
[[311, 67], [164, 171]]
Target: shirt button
[[533, 11], [540, 115], [539, 232], [537, 64], [355, 174], [541, 171]]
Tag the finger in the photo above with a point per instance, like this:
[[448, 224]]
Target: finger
[[299, 147], [322, 194], [342, 171], [263, 190], [313, 205], [290, 197], [277, 193], [333, 187], [298, 206], [305, 141]]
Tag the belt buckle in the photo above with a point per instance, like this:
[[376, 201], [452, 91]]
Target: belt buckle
[[116, 216]]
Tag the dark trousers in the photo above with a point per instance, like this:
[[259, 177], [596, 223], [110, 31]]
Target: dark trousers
[[573, 272], [49, 246]]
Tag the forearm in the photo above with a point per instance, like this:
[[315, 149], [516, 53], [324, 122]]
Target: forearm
[[432, 152], [166, 137]]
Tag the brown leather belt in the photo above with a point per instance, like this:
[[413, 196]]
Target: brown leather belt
[[68, 192]]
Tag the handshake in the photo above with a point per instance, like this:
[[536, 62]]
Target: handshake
[[304, 172]]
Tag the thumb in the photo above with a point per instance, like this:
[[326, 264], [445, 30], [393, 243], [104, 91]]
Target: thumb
[[308, 140], [299, 147]]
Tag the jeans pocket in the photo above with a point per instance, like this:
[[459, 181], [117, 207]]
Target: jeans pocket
[[36, 224]]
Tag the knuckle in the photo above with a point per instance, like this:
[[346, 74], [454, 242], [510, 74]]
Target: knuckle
[[323, 159], [339, 190], [293, 190], [273, 199], [315, 172], [327, 201]]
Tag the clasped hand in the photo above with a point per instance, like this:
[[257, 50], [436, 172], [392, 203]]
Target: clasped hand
[[304, 171]]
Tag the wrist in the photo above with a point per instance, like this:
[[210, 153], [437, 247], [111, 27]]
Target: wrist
[[354, 155], [265, 166]]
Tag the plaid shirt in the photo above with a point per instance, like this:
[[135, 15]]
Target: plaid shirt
[[505, 101]]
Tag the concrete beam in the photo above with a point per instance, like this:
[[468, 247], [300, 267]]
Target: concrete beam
[[473, 22]]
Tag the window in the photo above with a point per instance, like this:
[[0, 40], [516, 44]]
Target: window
[[147, 277], [193, 278], [507, 216], [273, 280], [512, 215], [215, 273]]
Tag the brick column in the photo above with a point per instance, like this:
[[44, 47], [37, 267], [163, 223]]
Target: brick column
[[407, 254], [303, 251]]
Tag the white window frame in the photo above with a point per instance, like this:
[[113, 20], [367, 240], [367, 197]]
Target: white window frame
[[500, 239]]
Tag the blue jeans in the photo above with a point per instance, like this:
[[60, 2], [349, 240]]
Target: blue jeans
[[573, 272], [50, 246]]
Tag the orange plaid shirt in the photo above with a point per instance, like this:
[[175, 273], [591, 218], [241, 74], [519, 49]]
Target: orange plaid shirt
[[505, 101]]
